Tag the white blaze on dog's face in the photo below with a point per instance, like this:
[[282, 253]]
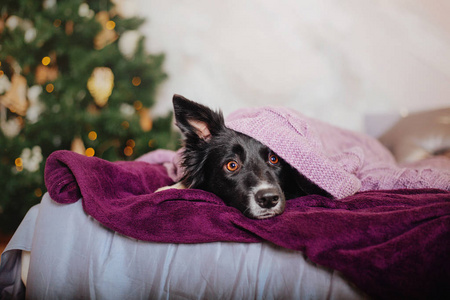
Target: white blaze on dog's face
[[274, 205], [243, 172]]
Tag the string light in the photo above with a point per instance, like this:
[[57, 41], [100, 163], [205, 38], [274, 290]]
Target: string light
[[90, 152], [137, 105], [38, 192], [49, 88], [19, 164], [131, 143], [92, 135], [150, 143], [57, 23], [136, 81], [128, 151], [46, 61], [125, 124], [110, 25]]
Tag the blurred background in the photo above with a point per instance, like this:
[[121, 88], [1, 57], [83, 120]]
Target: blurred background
[[97, 77], [334, 60]]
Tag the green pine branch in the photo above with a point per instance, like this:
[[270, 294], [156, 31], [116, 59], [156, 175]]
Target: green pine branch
[[69, 111]]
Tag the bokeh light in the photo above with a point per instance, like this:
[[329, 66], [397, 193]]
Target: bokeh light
[[49, 88], [90, 152], [136, 81], [92, 135], [46, 61]]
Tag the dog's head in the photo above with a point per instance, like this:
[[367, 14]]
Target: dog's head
[[243, 172]]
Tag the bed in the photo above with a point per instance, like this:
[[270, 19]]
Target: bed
[[101, 231]]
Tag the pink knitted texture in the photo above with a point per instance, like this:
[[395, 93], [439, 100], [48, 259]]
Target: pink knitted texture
[[339, 161]]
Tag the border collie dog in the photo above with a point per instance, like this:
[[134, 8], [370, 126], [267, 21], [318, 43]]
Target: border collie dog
[[243, 172]]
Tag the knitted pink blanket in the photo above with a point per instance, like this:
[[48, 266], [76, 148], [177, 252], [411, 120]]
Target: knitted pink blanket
[[339, 161]]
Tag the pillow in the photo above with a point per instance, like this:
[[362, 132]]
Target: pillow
[[419, 136]]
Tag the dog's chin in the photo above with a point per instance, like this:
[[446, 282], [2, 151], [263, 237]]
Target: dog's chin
[[256, 212], [266, 215]]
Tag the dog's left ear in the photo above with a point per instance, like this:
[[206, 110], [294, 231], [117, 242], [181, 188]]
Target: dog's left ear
[[196, 120]]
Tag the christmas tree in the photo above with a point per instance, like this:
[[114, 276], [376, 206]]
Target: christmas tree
[[74, 75]]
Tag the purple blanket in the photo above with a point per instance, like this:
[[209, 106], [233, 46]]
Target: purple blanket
[[392, 244], [387, 230]]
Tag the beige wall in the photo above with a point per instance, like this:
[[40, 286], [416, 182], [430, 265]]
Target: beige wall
[[334, 60]]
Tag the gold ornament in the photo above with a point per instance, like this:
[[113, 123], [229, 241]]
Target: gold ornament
[[108, 34], [16, 97], [45, 74], [100, 85], [78, 146], [145, 121], [47, 69]]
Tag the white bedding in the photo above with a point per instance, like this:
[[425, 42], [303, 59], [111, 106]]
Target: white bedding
[[73, 256]]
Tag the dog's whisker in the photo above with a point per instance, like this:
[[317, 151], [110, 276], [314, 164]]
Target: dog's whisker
[[246, 210]]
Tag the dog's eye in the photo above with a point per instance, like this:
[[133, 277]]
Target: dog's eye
[[273, 159], [232, 166]]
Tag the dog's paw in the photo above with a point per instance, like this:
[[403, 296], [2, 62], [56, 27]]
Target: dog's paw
[[178, 185]]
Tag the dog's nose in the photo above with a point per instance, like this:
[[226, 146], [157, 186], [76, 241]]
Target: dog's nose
[[267, 198]]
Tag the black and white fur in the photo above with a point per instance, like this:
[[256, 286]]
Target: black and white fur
[[244, 173]]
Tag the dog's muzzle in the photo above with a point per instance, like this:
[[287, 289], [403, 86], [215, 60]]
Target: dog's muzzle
[[265, 201]]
